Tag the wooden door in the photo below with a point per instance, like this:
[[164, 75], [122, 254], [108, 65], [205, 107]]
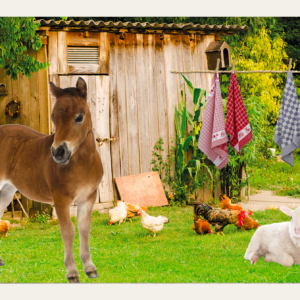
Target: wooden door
[[98, 102]]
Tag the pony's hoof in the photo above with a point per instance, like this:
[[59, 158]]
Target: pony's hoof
[[92, 274], [2, 263], [74, 280]]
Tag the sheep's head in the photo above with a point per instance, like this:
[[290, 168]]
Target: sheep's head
[[295, 219]]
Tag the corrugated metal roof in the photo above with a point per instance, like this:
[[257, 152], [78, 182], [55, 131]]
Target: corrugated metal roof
[[146, 25]]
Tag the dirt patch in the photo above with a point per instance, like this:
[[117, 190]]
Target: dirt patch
[[266, 199]]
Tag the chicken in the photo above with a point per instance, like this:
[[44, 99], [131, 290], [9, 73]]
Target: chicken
[[152, 224], [132, 210], [226, 203], [118, 214], [201, 226], [4, 227], [217, 218], [247, 223]]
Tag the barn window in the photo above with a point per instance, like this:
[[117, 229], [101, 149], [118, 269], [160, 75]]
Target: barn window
[[83, 55]]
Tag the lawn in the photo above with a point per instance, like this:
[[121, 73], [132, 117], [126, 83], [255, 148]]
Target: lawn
[[271, 175], [34, 252]]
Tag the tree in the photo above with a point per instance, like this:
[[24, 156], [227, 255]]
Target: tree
[[17, 34]]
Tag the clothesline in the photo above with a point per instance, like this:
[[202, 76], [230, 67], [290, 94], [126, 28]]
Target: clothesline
[[255, 71], [233, 70]]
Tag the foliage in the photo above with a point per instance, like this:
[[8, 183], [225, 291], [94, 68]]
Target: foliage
[[176, 254], [260, 52], [40, 218], [163, 167], [271, 175], [188, 174], [17, 35]]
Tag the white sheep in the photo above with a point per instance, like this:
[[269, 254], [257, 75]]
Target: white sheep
[[278, 242]]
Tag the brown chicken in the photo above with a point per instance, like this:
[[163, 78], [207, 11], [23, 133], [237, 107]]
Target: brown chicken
[[218, 218], [201, 226], [132, 210], [226, 203], [4, 227]]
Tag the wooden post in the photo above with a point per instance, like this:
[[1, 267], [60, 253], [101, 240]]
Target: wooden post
[[290, 64], [243, 190], [12, 209]]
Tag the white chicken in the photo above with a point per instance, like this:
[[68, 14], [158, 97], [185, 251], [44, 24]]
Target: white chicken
[[118, 214], [152, 224]]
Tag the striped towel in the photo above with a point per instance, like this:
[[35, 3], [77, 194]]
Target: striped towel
[[237, 123], [287, 133], [213, 138]]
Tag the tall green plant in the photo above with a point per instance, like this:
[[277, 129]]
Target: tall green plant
[[189, 164]]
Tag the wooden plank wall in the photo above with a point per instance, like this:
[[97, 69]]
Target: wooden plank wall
[[33, 96], [144, 93], [32, 93]]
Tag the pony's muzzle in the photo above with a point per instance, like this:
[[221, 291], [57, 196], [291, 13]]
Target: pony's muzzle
[[61, 154]]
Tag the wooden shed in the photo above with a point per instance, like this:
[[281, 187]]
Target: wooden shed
[[131, 92]]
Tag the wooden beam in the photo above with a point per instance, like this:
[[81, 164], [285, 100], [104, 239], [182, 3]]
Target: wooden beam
[[62, 52], [82, 39], [104, 53], [83, 69]]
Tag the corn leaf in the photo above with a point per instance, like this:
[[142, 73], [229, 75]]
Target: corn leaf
[[187, 143], [196, 95], [189, 117], [183, 123], [189, 84]]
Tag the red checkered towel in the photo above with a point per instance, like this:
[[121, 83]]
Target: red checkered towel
[[213, 138], [237, 123]]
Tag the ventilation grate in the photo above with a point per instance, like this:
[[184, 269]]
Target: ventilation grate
[[83, 55]]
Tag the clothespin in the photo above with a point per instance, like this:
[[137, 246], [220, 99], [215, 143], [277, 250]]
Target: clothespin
[[290, 64], [218, 64], [233, 66]]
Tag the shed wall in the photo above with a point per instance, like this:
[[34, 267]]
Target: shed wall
[[144, 93]]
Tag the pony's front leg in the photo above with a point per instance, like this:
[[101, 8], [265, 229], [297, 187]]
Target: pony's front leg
[[67, 233], [84, 212]]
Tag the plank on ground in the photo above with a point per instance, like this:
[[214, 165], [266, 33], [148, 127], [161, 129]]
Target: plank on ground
[[142, 189]]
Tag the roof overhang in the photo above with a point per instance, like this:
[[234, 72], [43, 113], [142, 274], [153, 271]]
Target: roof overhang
[[138, 27]]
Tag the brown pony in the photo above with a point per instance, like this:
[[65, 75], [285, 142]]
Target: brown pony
[[60, 169]]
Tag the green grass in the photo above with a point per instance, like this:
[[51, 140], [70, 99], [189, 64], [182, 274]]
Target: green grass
[[281, 178], [34, 253]]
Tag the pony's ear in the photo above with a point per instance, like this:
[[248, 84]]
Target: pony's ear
[[81, 87], [54, 90], [286, 210]]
